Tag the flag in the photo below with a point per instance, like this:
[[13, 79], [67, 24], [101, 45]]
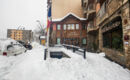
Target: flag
[[49, 17]]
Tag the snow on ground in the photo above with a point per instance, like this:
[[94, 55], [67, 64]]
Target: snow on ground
[[31, 66]]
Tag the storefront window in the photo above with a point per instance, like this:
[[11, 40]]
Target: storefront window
[[113, 38], [58, 27]]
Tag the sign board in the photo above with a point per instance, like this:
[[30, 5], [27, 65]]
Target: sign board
[[128, 27], [126, 43]]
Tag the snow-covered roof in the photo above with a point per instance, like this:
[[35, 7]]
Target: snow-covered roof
[[60, 19]]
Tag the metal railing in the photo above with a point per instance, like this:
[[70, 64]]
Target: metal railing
[[91, 7], [91, 24], [76, 48], [102, 11]]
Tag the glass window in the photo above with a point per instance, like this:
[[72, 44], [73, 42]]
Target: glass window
[[58, 27], [58, 40], [77, 26], [84, 41], [64, 26], [83, 27], [69, 26], [113, 39], [72, 26]]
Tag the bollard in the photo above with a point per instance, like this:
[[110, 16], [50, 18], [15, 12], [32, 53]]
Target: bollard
[[45, 54], [73, 49], [84, 53]]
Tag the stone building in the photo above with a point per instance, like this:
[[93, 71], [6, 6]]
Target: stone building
[[68, 25], [89, 11], [20, 35], [113, 20]]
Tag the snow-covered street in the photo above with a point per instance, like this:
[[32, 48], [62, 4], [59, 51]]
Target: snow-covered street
[[32, 66]]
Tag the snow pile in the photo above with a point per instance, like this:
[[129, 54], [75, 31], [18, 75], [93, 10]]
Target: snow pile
[[5, 42], [31, 66], [70, 13]]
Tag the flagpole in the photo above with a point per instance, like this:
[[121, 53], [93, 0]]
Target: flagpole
[[48, 35], [48, 27]]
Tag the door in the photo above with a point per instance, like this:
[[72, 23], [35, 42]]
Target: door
[[58, 41]]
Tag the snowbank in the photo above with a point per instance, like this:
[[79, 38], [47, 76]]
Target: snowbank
[[31, 66]]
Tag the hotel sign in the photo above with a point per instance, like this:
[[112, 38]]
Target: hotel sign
[[109, 27]]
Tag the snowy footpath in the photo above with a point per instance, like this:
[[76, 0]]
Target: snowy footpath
[[31, 66]]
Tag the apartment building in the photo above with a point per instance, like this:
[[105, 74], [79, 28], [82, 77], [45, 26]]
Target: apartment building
[[20, 35], [89, 12]]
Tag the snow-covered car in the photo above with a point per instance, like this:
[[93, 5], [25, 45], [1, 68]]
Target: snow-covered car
[[11, 47], [27, 46]]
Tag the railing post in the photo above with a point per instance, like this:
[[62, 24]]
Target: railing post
[[45, 54], [84, 53], [73, 49]]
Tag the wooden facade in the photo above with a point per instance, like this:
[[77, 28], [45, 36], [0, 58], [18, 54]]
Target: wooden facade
[[72, 31]]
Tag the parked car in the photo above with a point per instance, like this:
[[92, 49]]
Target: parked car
[[26, 45], [11, 47]]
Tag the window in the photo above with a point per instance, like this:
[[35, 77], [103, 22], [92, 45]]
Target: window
[[58, 40], [84, 41], [64, 26], [83, 27], [72, 26], [69, 26], [113, 39], [77, 26], [58, 27]]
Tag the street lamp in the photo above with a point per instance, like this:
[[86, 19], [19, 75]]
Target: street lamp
[[39, 23]]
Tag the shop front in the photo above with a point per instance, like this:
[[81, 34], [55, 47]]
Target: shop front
[[112, 40], [113, 35]]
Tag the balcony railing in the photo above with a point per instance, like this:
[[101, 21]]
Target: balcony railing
[[91, 7], [91, 24], [84, 2], [102, 11]]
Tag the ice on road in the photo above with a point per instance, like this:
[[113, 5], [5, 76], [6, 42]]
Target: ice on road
[[32, 66]]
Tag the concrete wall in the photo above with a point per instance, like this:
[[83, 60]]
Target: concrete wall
[[60, 8]]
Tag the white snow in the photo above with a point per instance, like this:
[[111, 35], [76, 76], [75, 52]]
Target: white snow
[[5, 42], [70, 13], [32, 66]]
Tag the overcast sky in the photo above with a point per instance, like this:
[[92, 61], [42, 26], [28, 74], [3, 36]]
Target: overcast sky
[[15, 13]]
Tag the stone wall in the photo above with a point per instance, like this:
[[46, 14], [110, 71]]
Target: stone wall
[[122, 58]]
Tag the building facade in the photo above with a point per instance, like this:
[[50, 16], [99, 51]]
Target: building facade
[[89, 11], [70, 30], [20, 35], [113, 20], [68, 25]]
